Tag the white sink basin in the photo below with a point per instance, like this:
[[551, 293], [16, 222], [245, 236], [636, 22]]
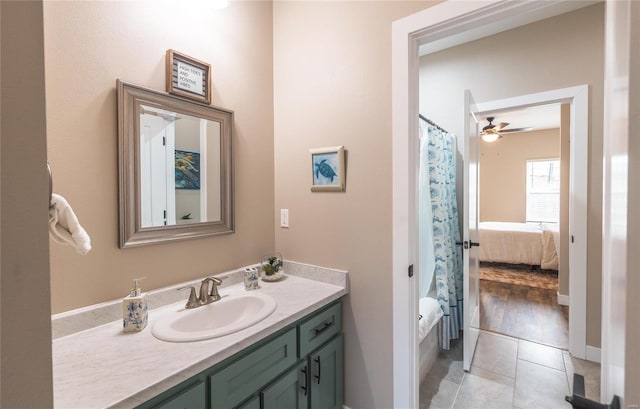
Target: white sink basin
[[231, 314]]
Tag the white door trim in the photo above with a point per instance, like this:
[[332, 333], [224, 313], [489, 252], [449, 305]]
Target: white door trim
[[461, 19], [620, 369], [578, 97]]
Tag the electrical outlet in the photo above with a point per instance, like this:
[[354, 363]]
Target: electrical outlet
[[284, 217]]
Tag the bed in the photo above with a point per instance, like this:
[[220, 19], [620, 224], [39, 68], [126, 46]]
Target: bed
[[520, 243]]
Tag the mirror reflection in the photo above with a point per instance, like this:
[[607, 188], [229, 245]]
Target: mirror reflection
[[176, 175], [179, 168]]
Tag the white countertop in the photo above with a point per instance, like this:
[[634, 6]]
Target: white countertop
[[105, 368]]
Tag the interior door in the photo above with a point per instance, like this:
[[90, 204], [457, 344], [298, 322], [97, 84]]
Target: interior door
[[153, 171], [470, 212]]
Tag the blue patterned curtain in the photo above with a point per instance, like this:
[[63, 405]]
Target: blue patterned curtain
[[438, 162], [425, 217]]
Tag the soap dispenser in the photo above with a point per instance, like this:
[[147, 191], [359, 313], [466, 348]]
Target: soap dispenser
[[134, 309]]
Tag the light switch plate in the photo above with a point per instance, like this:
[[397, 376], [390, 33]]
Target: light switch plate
[[284, 217]]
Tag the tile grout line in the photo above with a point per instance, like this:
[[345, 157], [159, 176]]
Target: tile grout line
[[453, 403], [566, 372]]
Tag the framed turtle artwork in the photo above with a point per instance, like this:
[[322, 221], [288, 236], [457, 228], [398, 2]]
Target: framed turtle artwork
[[328, 169]]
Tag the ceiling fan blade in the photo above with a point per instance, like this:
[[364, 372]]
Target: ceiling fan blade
[[502, 125], [525, 129]]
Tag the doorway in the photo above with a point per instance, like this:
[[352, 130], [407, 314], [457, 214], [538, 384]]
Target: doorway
[[524, 190], [427, 27], [577, 98]]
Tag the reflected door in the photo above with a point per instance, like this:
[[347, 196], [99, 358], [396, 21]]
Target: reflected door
[[157, 192], [470, 233]]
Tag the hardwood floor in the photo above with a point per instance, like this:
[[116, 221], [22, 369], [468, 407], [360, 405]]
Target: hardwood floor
[[528, 313]]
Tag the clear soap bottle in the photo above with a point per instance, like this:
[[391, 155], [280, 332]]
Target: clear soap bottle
[[134, 309]]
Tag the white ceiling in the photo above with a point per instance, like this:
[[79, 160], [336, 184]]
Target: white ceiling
[[538, 117]]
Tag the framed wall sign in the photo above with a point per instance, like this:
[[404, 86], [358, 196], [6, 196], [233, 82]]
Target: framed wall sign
[[188, 77], [328, 169]]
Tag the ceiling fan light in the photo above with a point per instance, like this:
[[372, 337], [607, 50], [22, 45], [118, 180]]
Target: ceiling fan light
[[490, 137]]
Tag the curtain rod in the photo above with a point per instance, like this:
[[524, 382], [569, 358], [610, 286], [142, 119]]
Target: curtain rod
[[430, 122]]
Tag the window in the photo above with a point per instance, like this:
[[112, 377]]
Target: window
[[543, 190]]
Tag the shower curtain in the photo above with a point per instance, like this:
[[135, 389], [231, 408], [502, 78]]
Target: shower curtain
[[438, 228]]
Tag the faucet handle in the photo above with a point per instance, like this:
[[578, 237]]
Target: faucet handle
[[205, 298], [193, 301], [215, 282]]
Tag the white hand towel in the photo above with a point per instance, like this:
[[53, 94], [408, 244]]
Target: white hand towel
[[64, 227]]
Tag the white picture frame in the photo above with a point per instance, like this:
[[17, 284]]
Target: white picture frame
[[328, 169]]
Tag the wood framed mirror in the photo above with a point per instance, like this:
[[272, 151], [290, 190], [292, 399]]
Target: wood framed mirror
[[175, 167]]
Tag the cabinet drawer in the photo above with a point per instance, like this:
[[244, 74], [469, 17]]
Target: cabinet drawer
[[320, 328], [246, 375], [193, 397]]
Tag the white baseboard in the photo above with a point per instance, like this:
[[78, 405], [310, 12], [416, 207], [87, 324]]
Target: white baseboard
[[563, 299], [593, 354]]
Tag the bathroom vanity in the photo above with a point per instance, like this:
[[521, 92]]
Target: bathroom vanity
[[298, 367], [292, 358]]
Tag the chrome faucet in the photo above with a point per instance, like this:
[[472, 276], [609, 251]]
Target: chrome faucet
[[206, 296]]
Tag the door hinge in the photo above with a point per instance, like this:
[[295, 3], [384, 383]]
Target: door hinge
[[164, 141], [411, 270], [572, 240]]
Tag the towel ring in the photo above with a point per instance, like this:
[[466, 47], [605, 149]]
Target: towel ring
[[50, 184]]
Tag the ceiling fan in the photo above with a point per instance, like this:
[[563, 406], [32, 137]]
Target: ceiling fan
[[492, 132]]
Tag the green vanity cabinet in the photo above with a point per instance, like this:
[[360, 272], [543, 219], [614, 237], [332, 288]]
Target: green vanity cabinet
[[326, 375], [290, 391], [319, 328], [190, 394], [253, 403], [300, 366], [241, 377]]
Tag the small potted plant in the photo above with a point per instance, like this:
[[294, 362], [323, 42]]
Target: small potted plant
[[272, 267]]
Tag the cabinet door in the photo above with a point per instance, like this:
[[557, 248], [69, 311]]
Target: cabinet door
[[193, 397], [253, 403], [243, 377], [290, 391], [326, 376]]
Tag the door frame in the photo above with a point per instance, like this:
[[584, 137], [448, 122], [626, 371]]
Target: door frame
[[620, 369], [454, 23], [578, 98]]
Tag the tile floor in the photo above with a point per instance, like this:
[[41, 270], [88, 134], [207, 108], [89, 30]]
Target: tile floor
[[506, 373]]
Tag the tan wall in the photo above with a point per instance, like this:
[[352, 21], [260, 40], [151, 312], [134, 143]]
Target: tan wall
[[503, 170], [332, 66], [565, 162], [88, 45], [25, 325], [559, 52]]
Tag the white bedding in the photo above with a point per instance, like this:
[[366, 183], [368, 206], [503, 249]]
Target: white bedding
[[519, 243]]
